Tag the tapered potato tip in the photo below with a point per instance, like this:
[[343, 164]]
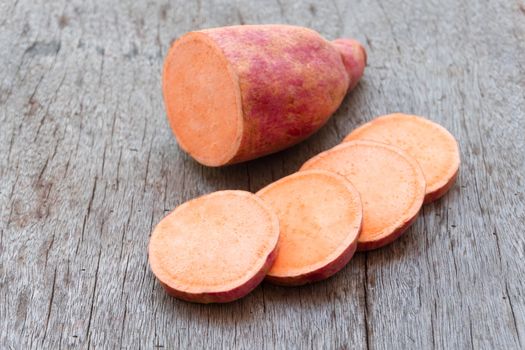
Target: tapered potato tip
[[354, 58]]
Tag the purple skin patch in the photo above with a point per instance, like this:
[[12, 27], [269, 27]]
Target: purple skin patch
[[275, 108], [286, 101], [291, 81]]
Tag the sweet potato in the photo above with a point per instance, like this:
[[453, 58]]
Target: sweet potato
[[238, 93], [434, 148], [215, 248], [390, 183], [320, 218]]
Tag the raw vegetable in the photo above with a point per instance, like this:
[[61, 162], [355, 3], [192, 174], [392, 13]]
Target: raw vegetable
[[390, 183], [238, 93], [434, 148], [320, 218], [215, 248]]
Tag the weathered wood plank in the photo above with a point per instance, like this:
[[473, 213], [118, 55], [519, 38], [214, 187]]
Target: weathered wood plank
[[88, 165]]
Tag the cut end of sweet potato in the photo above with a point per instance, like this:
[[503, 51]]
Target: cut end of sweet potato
[[354, 58], [320, 218], [203, 100], [390, 183], [215, 248], [430, 144]]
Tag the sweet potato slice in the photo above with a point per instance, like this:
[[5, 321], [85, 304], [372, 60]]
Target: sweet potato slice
[[215, 248], [434, 148], [203, 100], [320, 217], [390, 183]]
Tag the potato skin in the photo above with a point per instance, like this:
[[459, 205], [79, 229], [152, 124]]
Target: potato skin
[[320, 274], [290, 78], [226, 296], [385, 240], [432, 196]]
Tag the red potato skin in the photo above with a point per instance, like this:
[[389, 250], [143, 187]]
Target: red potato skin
[[226, 296], [291, 80], [432, 196], [385, 240], [354, 59], [320, 274]]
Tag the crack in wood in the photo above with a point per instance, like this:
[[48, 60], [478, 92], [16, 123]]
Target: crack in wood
[[366, 310], [50, 305], [93, 298]]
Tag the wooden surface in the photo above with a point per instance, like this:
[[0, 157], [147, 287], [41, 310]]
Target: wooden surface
[[88, 165]]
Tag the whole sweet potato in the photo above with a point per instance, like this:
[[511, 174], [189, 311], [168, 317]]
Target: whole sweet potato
[[238, 93]]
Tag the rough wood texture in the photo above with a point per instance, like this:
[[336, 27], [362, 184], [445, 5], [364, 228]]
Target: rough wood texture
[[88, 166]]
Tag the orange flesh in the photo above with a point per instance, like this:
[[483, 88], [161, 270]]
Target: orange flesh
[[202, 98], [431, 145], [320, 217], [391, 184], [213, 243]]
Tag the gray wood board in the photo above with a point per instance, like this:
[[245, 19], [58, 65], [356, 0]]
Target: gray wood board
[[88, 165]]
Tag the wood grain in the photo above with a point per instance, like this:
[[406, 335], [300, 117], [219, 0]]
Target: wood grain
[[88, 166]]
